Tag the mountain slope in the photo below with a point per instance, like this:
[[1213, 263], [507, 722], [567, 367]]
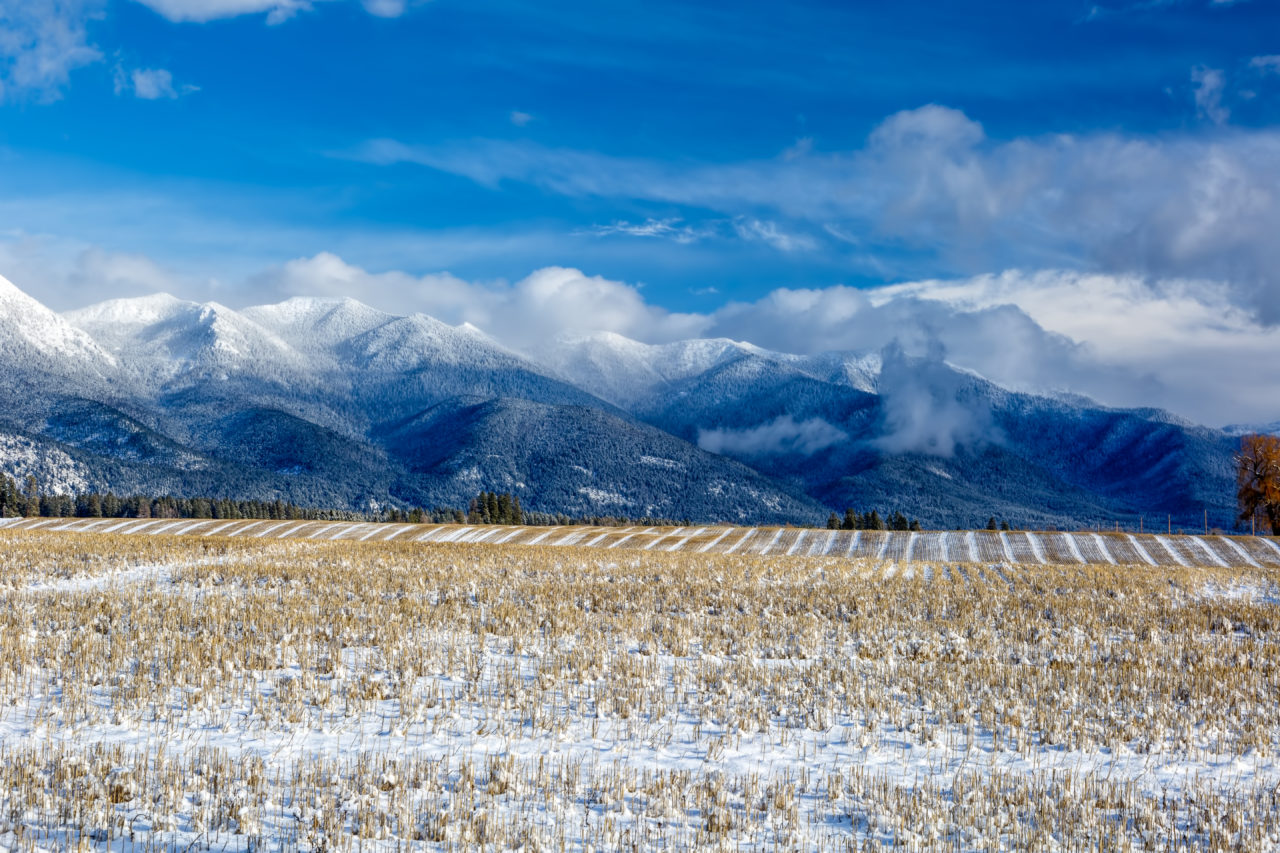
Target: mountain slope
[[614, 467]]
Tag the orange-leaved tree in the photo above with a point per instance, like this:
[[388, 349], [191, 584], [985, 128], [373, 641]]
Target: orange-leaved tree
[[1258, 478]]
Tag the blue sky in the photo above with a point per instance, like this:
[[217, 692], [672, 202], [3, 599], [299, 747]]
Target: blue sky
[[699, 156]]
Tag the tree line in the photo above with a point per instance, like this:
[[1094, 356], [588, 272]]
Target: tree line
[[870, 520], [487, 507]]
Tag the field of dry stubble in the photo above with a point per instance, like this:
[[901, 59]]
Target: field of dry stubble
[[200, 693]]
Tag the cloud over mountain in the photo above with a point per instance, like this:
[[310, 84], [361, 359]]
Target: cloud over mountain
[[930, 180]]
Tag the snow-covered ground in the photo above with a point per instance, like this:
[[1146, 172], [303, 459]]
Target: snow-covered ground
[[257, 693]]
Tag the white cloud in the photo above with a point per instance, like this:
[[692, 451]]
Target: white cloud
[[783, 435], [148, 84], [41, 43], [930, 190], [1181, 344], [1123, 340], [277, 11], [520, 119], [547, 303], [1210, 83], [926, 409], [671, 229], [201, 11], [770, 233], [385, 8], [1266, 63]]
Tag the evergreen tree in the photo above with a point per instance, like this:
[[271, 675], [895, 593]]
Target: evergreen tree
[[991, 523], [833, 521]]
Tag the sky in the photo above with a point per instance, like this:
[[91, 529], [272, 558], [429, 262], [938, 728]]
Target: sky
[[1062, 196]]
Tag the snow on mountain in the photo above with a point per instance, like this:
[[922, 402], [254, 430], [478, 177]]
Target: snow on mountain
[[317, 323], [859, 371], [324, 400], [54, 470], [32, 336], [626, 372], [163, 341], [411, 343]]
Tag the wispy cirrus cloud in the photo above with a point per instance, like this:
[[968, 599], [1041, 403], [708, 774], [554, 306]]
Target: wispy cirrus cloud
[[276, 11], [202, 11], [670, 229]]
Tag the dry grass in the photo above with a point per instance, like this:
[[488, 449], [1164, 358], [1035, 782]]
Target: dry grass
[[179, 691]]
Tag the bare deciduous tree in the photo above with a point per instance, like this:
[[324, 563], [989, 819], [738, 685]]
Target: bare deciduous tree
[[1258, 478]]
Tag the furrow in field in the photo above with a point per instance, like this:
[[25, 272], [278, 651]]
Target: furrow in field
[[714, 542], [1141, 550], [1212, 557], [1230, 543], [740, 542]]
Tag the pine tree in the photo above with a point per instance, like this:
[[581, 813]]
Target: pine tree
[[833, 521], [991, 523]]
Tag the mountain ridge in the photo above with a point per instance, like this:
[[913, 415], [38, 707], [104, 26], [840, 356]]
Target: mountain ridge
[[329, 398]]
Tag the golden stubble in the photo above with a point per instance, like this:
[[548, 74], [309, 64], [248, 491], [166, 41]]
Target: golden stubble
[[454, 673]]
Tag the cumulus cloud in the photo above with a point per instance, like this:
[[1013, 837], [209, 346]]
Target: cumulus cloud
[[783, 435], [929, 185], [62, 273], [1130, 341], [549, 302], [927, 407], [41, 43], [1123, 340], [151, 84]]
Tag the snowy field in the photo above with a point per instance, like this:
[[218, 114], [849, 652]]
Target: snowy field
[[250, 692], [980, 546]]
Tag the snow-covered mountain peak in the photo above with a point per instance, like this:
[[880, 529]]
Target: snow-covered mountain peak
[[132, 312], [25, 324], [406, 343], [625, 371], [311, 322], [165, 340]]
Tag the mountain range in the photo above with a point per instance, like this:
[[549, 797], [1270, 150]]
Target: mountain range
[[329, 402]]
